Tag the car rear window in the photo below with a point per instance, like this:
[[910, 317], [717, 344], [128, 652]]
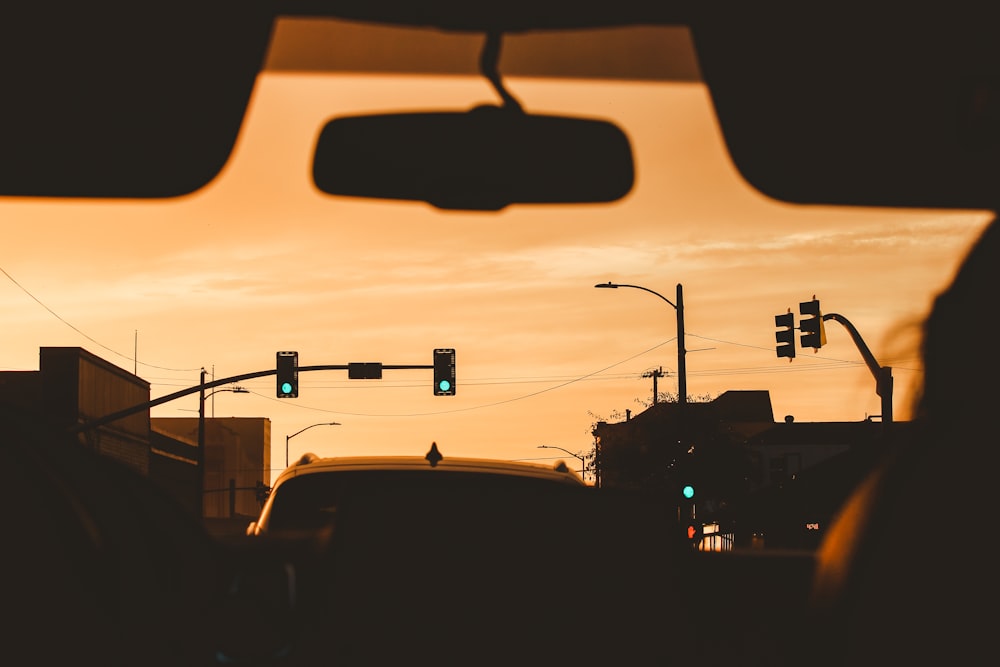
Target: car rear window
[[314, 501], [461, 564]]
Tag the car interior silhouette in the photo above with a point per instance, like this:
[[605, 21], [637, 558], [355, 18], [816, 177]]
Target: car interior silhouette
[[860, 104]]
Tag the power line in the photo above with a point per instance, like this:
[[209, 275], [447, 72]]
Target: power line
[[77, 330], [564, 380]]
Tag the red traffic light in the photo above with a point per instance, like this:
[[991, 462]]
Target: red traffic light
[[694, 532]]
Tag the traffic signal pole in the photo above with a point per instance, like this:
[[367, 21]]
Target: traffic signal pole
[[200, 498], [814, 336], [204, 386], [882, 374]]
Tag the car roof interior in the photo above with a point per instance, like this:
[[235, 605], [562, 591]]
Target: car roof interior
[[896, 104]]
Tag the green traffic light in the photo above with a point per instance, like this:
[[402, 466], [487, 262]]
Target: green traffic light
[[286, 369], [688, 491], [444, 372]]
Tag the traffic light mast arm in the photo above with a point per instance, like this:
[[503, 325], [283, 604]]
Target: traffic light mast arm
[[384, 366], [115, 416], [866, 354], [882, 374]]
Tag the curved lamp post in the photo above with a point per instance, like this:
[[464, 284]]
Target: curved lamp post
[[289, 437], [681, 352], [583, 461]]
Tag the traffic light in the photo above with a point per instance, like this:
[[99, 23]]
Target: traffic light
[[691, 528], [813, 331], [444, 372], [785, 336], [261, 492], [694, 532], [287, 364]]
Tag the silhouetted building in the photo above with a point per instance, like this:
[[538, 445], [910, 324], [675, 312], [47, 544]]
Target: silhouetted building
[[73, 387], [643, 451], [764, 483], [237, 460], [803, 472], [174, 466]]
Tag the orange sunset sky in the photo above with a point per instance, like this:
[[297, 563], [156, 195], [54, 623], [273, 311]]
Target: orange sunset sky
[[260, 261]]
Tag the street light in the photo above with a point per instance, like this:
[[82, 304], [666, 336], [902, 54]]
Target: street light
[[681, 352], [583, 461], [289, 437], [236, 389]]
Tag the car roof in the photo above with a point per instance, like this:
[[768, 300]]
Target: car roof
[[897, 119], [432, 461]]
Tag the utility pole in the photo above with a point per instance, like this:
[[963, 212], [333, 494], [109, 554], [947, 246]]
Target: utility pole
[[682, 386], [678, 306], [657, 373], [200, 477]]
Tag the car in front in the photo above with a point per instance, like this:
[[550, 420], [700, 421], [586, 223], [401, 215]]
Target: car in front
[[450, 559]]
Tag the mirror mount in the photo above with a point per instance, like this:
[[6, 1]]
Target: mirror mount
[[489, 66]]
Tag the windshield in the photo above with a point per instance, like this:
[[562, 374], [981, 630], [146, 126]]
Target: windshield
[[261, 261]]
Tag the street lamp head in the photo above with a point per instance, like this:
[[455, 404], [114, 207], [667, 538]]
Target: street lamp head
[[236, 389], [679, 307], [580, 457], [289, 437]]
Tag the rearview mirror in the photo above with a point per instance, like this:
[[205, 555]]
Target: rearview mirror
[[484, 159]]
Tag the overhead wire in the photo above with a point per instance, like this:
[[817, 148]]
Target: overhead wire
[[563, 380], [84, 334]]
